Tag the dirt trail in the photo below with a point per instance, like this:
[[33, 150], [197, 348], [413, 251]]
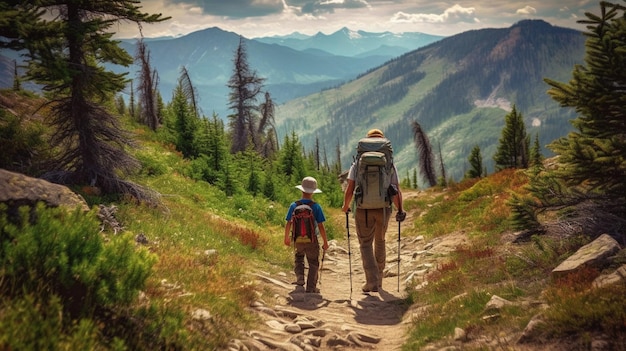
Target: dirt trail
[[341, 309], [341, 315]]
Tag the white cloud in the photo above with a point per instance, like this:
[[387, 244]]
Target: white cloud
[[527, 10], [280, 17], [453, 14]]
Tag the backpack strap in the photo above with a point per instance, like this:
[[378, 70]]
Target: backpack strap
[[310, 203]]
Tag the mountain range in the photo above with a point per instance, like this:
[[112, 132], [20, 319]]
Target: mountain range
[[335, 87], [298, 66], [346, 42], [458, 89]]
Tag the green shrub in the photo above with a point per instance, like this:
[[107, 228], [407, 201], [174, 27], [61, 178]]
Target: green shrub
[[22, 145], [29, 323], [63, 253], [151, 166]]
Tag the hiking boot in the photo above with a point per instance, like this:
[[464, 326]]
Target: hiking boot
[[367, 288], [314, 291]]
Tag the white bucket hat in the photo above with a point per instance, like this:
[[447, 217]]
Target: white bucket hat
[[309, 185]]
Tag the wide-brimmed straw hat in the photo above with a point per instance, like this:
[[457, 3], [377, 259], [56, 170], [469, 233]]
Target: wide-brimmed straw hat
[[309, 185]]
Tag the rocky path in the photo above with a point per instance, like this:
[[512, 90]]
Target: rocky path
[[341, 316]]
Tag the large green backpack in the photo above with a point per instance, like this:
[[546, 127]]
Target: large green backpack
[[374, 170]]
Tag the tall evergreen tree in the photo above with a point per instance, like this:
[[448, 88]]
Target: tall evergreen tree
[[210, 144], [186, 124], [291, 157], [476, 163], [514, 144], [217, 149], [67, 44], [588, 188], [254, 182], [269, 189]]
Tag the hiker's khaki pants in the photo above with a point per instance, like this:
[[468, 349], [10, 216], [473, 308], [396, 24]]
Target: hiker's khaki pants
[[371, 227], [312, 253]]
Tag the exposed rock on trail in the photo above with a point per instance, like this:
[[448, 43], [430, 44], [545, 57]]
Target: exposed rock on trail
[[335, 316]]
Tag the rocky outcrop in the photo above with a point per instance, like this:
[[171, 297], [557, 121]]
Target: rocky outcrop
[[595, 254], [19, 190], [619, 276]]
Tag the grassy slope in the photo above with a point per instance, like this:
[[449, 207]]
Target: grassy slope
[[196, 217], [490, 264], [246, 234]]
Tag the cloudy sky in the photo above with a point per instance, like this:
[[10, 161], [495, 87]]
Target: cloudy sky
[[258, 18]]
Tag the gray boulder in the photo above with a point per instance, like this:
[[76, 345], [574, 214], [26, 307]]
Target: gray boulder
[[595, 254], [19, 190]]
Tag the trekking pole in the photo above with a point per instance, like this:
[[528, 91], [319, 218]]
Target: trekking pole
[[349, 252], [399, 255]]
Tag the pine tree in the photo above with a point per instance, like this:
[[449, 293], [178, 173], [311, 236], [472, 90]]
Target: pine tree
[[217, 148], [291, 158], [514, 144], [476, 163], [66, 54], [269, 190], [210, 144], [588, 187], [186, 124], [595, 154], [228, 184], [254, 182]]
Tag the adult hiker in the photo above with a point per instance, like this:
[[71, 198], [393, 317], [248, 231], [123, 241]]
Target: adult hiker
[[373, 183], [305, 222]]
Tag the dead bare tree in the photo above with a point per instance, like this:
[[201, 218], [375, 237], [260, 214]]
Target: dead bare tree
[[148, 80], [425, 154], [189, 90]]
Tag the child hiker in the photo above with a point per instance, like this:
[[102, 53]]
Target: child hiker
[[305, 219]]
